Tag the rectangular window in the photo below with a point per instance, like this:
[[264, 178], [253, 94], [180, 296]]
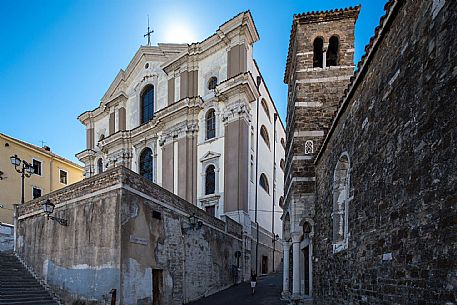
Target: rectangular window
[[211, 210], [36, 192], [36, 167], [63, 176]]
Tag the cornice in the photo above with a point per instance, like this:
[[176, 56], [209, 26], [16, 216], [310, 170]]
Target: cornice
[[241, 24], [242, 83], [178, 131]]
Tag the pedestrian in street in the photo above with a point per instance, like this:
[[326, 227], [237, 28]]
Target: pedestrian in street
[[253, 281]]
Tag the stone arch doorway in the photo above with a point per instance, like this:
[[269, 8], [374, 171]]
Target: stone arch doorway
[[306, 259]]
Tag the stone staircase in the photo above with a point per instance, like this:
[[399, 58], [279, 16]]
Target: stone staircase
[[18, 286]]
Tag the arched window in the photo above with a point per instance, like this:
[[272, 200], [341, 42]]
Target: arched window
[[318, 57], [282, 164], [210, 180], [309, 147], [341, 191], [265, 108], [210, 124], [212, 83], [101, 138], [264, 183], [283, 143], [281, 202], [100, 166], [147, 104], [146, 164], [264, 134], [332, 52]]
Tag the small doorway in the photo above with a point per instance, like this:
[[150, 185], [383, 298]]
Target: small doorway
[[157, 286], [264, 264], [306, 269]]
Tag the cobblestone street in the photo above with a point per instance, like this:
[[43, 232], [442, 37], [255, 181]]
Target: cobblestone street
[[268, 292]]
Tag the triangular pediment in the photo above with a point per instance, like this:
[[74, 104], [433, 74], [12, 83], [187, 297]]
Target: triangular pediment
[[209, 155], [160, 53]]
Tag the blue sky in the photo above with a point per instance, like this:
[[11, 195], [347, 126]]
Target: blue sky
[[57, 58]]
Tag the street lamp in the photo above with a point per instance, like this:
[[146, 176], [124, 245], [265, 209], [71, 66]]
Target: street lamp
[[48, 209], [26, 170]]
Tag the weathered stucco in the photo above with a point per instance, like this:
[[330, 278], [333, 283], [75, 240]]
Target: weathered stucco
[[122, 229], [6, 237]]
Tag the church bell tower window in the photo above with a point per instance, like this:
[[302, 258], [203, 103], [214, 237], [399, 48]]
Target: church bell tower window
[[318, 57], [332, 52], [309, 147]]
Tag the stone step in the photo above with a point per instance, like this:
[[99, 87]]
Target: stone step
[[31, 293], [18, 286], [28, 302], [27, 298]]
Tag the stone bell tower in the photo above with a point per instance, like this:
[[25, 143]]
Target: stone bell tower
[[319, 66]]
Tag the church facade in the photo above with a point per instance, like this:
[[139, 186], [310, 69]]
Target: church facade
[[370, 205], [198, 120]]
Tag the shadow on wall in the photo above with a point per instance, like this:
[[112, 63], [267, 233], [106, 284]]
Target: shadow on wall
[[6, 237]]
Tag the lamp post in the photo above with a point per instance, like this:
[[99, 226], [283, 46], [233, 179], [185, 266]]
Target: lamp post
[[26, 170], [48, 208]]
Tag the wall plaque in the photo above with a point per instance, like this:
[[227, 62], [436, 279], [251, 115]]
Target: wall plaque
[[138, 240]]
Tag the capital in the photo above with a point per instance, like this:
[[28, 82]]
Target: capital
[[296, 236]]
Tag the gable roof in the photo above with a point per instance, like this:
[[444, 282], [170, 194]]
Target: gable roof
[[41, 150]]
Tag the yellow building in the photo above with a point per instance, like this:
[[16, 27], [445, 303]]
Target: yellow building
[[50, 172]]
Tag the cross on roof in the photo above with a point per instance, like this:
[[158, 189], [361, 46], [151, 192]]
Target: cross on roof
[[148, 34]]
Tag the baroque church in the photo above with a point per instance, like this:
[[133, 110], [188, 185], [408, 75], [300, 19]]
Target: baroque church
[[370, 206], [199, 121]]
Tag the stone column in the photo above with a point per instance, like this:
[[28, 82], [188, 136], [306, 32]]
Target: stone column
[[285, 283], [324, 54], [295, 265]]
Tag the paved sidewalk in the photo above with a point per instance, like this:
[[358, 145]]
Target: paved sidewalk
[[268, 292]]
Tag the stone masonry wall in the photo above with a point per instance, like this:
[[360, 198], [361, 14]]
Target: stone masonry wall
[[313, 98], [400, 131]]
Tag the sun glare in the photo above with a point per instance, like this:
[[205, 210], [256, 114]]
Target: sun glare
[[180, 33]]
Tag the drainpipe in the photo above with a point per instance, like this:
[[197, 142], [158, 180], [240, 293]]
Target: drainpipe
[[259, 81], [274, 182], [113, 296], [50, 175], [15, 212]]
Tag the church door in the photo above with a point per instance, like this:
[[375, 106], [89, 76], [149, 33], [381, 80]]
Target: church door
[[264, 264], [157, 286]]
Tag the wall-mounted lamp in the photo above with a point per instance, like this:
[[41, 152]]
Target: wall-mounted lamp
[[48, 208], [194, 222]]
